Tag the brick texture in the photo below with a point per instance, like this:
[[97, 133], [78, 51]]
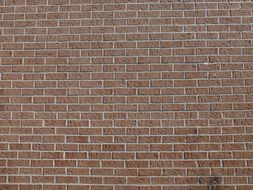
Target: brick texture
[[126, 95]]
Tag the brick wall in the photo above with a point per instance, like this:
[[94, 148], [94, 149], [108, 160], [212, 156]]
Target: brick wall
[[126, 95]]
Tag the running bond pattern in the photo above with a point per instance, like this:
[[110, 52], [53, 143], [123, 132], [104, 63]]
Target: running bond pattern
[[126, 95]]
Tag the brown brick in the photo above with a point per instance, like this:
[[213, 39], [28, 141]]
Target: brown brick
[[124, 94]]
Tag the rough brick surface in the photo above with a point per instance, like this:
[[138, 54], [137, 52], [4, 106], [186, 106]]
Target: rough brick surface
[[126, 95]]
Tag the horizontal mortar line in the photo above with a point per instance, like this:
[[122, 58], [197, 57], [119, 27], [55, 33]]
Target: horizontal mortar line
[[126, 33], [128, 185]]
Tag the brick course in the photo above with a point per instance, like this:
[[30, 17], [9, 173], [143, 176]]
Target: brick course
[[126, 95]]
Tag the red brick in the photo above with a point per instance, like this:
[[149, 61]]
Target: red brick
[[124, 94]]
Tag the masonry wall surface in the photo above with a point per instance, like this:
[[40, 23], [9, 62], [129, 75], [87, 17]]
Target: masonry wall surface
[[126, 95]]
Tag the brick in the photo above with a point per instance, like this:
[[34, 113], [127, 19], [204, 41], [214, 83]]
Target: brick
[[125, 94]]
